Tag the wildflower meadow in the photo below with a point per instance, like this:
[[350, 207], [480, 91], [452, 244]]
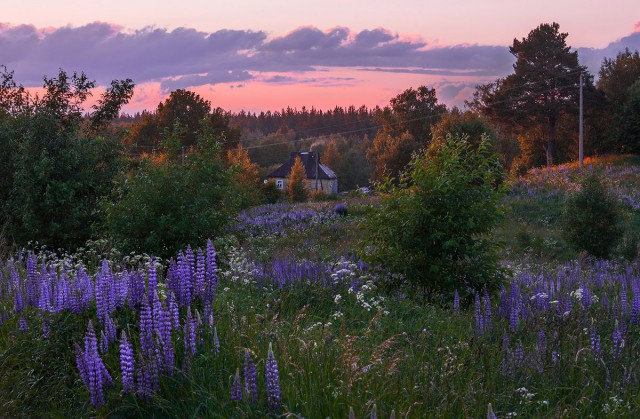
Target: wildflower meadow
[[280, 318]]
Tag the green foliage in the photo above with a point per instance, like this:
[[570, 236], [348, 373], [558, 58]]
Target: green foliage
[[54, 169], [592, 217], [163, 207], [433, 226]]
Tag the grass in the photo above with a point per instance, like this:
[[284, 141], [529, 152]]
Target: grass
[[339, 348]]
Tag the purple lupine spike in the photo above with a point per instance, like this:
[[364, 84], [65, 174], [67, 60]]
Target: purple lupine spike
[[211, 269], [273, 381], [490, 414], [635, 306], [190, 334], [152, 280], [168, 353], [486, 299], [513, 317], [46, 328], [478, 315], [23, 326], [126, 364], [250, 378], [173, 310], [518, 354], [184, 277], [81, 364], [374, 412], [456, 302], [595, 343], [104, 343], [146, 331], [95, 368], [236, 387], [542, 341], [200, 274], [18, 301], [110, 330], [618, 341]]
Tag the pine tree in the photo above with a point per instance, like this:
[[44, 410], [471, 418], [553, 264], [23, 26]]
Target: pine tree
[[297, 191]]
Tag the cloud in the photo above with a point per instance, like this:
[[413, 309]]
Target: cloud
[[186, 57], [592, 57]]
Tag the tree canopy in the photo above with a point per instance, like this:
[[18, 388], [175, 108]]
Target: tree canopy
[[543, 88]]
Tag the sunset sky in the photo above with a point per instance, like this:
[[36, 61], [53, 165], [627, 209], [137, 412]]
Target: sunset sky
[[259, 55]]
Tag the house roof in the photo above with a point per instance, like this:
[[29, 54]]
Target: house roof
[[309, 162]]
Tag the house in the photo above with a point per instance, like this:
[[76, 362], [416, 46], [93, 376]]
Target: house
[[319, 176]]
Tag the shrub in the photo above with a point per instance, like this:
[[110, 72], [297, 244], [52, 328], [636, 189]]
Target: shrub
[[592, 217], [164, 207], [270, 192], [433, 224]]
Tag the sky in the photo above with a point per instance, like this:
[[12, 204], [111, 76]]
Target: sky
[[267, 55]]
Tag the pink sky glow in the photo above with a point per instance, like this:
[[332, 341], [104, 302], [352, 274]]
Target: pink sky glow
[[257, 55]]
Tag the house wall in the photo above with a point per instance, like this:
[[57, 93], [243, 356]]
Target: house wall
[[327, 185]]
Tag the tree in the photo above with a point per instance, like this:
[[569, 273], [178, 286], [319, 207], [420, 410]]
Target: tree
[[56, 170], [433, 226], [592, 218], [630, 125], [244, 175], [192, 113], [542, 89], [416, 111], [297, 191], [405, 127], [617, 75], [617, 80]]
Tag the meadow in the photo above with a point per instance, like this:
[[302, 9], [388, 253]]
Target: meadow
[[280, 318]]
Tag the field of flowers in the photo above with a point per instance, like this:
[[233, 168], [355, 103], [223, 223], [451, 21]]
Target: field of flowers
[[234, 328]]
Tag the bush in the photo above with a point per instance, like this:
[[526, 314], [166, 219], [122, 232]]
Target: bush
[[164, 207], [592, 218], [433, 223], [270, 192]]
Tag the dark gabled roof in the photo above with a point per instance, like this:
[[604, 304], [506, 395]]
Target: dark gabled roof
[[309, 162]]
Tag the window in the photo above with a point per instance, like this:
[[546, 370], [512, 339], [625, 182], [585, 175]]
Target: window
[[280, 184]]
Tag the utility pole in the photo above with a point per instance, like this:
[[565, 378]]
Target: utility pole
[[581, 129], [317, 164]]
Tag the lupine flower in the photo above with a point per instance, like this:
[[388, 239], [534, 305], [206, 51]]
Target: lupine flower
[[618, 342], [46, 328], [126, 364], [273, 381], [595, 343], [456, 302], [200, 274], [352, 414], [236, 387], [374, 412], [478, 315], [250, 378], [487, 311], [23, 326], [104, 343], [490, 414], [211, 268], [97, 375]]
